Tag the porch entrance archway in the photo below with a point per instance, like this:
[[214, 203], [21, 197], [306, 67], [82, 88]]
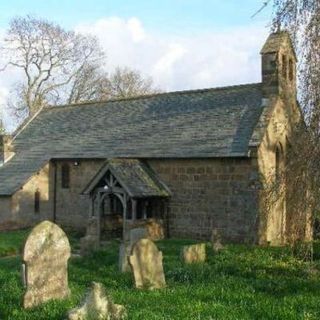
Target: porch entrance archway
[[129, 186]]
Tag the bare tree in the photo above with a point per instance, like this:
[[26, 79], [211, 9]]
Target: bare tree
[[92, 83], [62, 67], [49, 57], [125, 83]]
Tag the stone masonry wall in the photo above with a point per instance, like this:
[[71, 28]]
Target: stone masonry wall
[[72, 208], [213, 193], [18, 211]]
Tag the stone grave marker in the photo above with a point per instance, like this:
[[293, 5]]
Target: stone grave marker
[[124, 254], [45, 264], [155, 229], [146, 264], [90, 242], [98, 306], [137, 234], [195, 253], [216, 241]]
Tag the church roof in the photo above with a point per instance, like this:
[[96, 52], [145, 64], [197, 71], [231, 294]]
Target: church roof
[[134, 176], [188, 124]]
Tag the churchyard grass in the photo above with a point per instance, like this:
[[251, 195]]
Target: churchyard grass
[[240, 282], [11, 242]]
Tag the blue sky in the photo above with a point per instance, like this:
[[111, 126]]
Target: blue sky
[[157, 15], [180, 44]]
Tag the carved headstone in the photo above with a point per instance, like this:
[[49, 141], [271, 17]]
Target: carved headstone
[[98, 306], [194, 254], [146, 264], [216, 241], [45, 257]]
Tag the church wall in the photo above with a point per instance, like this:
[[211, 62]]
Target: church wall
[[279, 221], [211, 194], [18, 211], [72, 208]]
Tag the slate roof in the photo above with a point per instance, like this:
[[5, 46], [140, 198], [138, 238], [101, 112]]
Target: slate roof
[[138, 180], [188, 124]]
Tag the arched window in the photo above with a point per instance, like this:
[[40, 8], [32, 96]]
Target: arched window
[[284, 66], [65, 176], [291, 71], [37, 202]]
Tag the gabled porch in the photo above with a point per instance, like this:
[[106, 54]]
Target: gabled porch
[[126, 193]]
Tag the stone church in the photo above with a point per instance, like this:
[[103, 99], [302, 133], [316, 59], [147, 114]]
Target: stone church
[[196, 160]]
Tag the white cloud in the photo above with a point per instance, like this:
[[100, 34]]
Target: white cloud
[[175, 62], [207, 59]]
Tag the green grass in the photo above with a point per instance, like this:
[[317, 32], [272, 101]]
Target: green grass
[[239, 283], [11, 242]]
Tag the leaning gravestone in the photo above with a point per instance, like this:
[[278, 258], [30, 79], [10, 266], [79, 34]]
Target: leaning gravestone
[[98, 306], [45, 264], [146, 264], [194, 254]]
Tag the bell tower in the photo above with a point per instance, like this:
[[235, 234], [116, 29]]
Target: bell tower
[[279, 66]]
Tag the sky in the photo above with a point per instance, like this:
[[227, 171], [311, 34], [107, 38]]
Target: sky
[[181, 44]]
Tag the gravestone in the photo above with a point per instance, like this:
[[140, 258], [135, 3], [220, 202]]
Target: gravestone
[[45, 257], [216, 241], [98, 306], [124, 254], [146, 264], [194, 254], [90, 242], [136, 234], [155, 229]]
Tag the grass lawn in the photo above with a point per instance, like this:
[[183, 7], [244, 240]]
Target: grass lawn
[[239, 283], [11, 243]]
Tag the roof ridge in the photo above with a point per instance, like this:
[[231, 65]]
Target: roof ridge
[[147, 96]]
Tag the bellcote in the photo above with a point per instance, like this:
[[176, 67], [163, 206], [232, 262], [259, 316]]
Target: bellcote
[[279, 66]]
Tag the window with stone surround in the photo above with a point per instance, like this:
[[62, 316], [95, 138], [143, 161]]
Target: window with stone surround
[[279, 158], [37, 202], [65, 176]]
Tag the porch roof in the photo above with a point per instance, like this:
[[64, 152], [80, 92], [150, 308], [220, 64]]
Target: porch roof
[[135, 177]]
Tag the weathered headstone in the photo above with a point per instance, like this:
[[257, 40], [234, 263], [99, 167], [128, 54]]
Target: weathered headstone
[[90, 242], [216, 241], [155, 229], [194, 254], [146, 264], [98, 306], [124, 254], [45, 257], [136, 234]]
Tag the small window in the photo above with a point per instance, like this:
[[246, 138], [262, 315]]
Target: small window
[[37, 202], [278, 164], [65, 176], [284, 66], [290, 70]]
